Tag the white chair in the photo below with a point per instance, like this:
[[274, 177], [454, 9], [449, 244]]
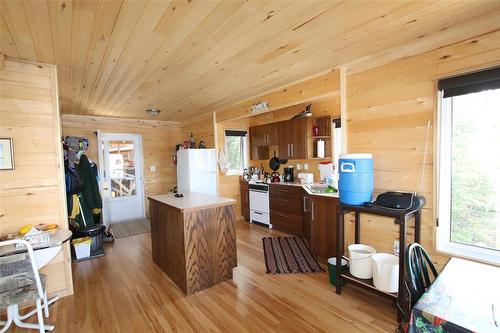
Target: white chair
[[20, 282]]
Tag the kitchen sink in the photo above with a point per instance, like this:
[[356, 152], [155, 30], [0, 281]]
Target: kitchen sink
[[318, 188]]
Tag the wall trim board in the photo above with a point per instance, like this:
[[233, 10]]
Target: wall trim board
[[122, 121]]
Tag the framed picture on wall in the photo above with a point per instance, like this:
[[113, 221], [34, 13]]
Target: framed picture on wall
[[6, 154]]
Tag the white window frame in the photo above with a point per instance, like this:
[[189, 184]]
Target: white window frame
[[236, 172], [443, 242]]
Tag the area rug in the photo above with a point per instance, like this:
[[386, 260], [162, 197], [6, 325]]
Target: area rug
[[285, 255], [131, 228]]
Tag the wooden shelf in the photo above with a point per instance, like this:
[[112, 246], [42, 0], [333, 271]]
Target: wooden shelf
[[320, 136], [365, 283]]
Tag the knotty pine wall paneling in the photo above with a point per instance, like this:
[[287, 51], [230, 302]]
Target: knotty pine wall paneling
[[34, 192], [158, 144], [388, 108]]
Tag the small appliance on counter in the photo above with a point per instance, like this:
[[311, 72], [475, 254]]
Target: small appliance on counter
[[275, 177], [288, 174], [325, 170], [306, 178]]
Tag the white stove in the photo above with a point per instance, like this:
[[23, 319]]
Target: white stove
[[259, 203]]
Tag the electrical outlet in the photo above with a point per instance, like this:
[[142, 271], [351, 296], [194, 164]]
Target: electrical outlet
[[152, 168], [396, 247], [298, 166], [306, 166]]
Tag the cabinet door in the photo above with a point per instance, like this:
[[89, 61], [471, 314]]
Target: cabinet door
[[254, 144], [245, 202], [306, 232], [323, 226], [284, 151], [298, 138], [272, 134], [290, 223]]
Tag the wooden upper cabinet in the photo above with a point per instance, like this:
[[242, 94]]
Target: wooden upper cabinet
[[272, 134], [292, 139], [261, 137], [284, 151]]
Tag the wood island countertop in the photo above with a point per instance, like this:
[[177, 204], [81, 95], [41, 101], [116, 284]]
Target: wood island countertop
[[193, 201]]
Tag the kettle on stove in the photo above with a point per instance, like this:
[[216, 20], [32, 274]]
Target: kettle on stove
[[275, 177]]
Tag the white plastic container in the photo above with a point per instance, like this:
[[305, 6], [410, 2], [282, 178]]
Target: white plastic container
[[360, 260], [82, 249], [385, 268]]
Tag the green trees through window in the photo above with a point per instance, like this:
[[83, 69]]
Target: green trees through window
[[475, 169]]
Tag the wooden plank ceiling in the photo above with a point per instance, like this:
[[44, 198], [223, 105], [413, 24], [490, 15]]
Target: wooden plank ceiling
[[117, 58]]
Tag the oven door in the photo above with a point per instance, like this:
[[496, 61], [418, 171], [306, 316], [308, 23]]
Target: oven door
[[259, 201]]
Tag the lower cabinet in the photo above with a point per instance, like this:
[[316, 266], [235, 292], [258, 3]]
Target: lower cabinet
[[286, 204], [322, 218], [290, 223], [245, 201]]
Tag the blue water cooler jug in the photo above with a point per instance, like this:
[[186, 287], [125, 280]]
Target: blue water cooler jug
[[355, 178]]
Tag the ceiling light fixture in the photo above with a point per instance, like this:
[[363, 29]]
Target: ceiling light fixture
[[153, 112]]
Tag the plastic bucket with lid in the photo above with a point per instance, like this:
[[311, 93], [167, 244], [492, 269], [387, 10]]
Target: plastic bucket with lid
[[385, 268], [355, 178], [360, 260], [332, 269]]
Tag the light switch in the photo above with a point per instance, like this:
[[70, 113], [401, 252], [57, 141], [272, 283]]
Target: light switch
[[306, 166], [152, 168]]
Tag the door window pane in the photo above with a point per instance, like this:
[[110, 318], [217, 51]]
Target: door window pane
[[122, 168]]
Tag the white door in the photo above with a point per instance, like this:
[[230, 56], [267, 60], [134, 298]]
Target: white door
[[121, 177]]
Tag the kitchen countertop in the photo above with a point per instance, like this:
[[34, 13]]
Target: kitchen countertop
[[192, 201]]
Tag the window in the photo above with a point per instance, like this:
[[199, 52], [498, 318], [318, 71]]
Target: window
[[235, 142], [469, 166]]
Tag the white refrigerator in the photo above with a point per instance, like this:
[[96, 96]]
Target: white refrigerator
[[197, 171]]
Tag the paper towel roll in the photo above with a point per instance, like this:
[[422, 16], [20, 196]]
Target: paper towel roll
[[320, 148]]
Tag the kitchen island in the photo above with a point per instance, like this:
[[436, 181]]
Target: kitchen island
[[193, 239]]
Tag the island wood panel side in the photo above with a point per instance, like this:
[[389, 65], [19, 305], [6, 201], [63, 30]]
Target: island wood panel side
[[167, 241], [210, 239]]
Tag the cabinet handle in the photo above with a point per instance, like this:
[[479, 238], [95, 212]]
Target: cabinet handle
[[312, 210], [288, 149], [292, 149], [304, 199]]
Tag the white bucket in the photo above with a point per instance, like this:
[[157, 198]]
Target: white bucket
[[386, 272], [360, 260]]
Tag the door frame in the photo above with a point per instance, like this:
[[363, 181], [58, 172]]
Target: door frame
[[139, 170]]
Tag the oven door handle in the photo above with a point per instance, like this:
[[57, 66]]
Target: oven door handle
[[258, 191]]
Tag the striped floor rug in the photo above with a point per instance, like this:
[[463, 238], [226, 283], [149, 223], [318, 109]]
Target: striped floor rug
[[131, 228], [285, 255]]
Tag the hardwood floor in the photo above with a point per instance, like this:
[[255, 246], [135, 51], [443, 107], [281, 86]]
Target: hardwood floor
[[126, 292]]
